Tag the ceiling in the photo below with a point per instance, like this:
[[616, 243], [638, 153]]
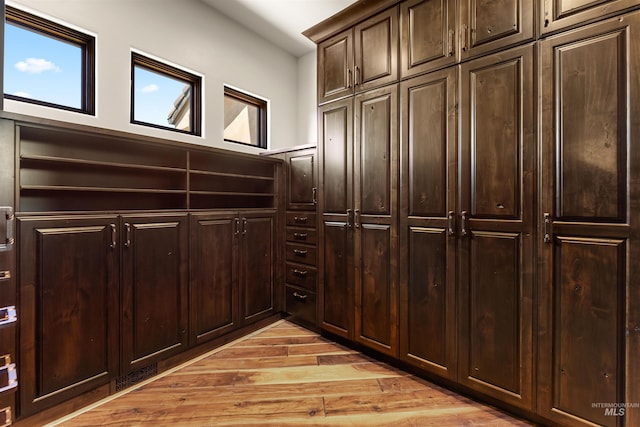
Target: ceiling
[[280, 21]]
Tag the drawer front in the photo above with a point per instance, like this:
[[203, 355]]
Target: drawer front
[[302, 235], [301, 304], [302, 219], [301, 275], [304, 254]]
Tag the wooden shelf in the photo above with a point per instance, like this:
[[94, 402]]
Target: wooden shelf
[[231, 175], [99, 189], [232, 194], [70, 161]]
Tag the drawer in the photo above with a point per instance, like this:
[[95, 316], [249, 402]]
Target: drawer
[[301, 304], [7, 403], [305, 254], [304, 219], [301, 275], [302, 235]]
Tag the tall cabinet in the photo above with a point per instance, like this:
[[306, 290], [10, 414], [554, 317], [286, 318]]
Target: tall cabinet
[[506, 260]]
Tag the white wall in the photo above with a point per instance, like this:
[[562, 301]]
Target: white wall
[[192, 35], [307, 100]]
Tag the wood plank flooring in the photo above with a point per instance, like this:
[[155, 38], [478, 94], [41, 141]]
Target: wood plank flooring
[[285, 375]]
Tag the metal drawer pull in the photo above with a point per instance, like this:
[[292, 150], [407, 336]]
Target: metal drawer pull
[[300, 273], [299, 252], [300, 236], [5, 417], [5, 275], [301, 297], [300, 219], [8, 315], [9, 238], [8, 377]]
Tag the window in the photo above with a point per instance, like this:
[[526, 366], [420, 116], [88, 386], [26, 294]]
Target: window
[[245, 118], [47, 63], [163, 96]]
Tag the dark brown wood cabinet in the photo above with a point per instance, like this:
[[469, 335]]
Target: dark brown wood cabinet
[[496, 257], [360, 58], [588, 224], [359, 215], [69, 312], [562, 14], [154, 288], [302, 179]]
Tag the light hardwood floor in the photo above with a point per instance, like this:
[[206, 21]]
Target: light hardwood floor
[[285, 375]]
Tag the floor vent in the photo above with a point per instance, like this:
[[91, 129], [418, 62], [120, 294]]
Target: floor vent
[[136, 376]]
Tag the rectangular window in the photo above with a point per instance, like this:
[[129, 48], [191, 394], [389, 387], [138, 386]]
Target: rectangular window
[[48, 64], [245, 118], [164, 97]]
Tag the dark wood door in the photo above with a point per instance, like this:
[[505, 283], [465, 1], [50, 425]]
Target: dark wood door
[[257, 260], [429, 120], [154, 289], [302, 185], [69, 277], [335, 259], [375, 225], [496, 259], [376, 50], [428, 35], [213, 275], [335, 67], [560, 14], [489, 25], [589, 220]]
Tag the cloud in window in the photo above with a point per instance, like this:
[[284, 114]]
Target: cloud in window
[[36, 66], [150, 88], [23, 94]]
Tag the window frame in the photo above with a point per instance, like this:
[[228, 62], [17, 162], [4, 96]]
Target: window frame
[[64, 34], [195, 120], [262, 106]]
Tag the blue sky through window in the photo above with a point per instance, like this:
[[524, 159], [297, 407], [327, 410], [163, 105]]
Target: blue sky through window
[[154, 95], [42, 68]]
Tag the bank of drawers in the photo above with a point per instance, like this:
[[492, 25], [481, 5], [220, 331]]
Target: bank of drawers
[[8, 321], [301, 271]]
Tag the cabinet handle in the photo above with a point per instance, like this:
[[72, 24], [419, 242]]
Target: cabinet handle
[[300, 273], [5, 415], [9, 377], [546, 13], [356, 216], [296, 219], [451, 223], [236, 231], [451, 47], [10, 220], [348, 77], [547, 228], [463, 37], [300, 236], [357, 82], [464, 227], [244, 226], [8, 315], [299, 252], [127, 236], [314, 195], [5, 275], [113, 243], [349, 218], [300, 297]]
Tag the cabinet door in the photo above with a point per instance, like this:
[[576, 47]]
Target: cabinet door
[[559, 14], [427, 223], [496, 260], [214, 275], [335, 67], [68, 308], [154, 305], [376, 50], [375, 218], [427, 35], [302, 186], [488, 25], [257, 264], [590, 189], [335, 259]]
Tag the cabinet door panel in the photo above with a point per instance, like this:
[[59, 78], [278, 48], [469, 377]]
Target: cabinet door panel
[[258, 258], [302, 180], [214, 276], [590, 179], [155, 289], [335, 67], [427, 39], [559, 14], [336, 294], [376, 50], [68, 308]]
